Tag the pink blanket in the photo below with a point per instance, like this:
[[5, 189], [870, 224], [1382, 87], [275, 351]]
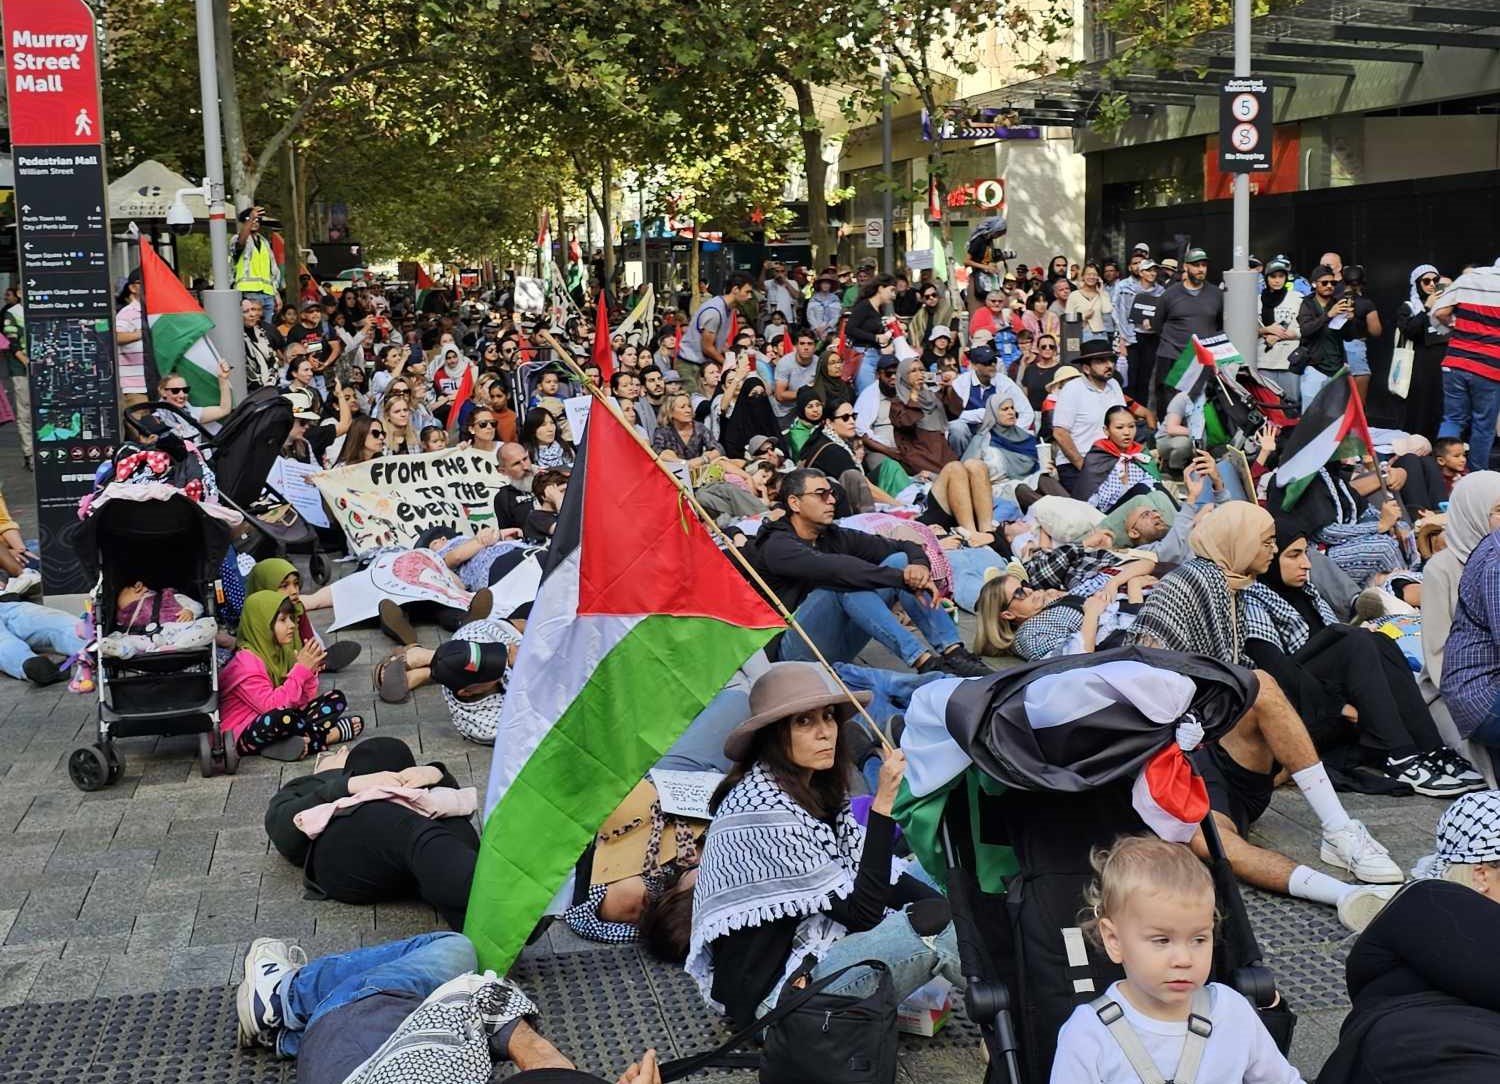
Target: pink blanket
[[430, 802]]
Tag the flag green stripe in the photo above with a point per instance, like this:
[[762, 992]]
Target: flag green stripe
[[1180, 367], [640, 698], [173, 332]]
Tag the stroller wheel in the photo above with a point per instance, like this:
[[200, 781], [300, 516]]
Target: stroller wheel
[[206, 754], [230, 754], [318, 566], [116, 762], [88, 768]]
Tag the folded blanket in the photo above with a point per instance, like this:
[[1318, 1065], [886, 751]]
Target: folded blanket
[[430, 802]]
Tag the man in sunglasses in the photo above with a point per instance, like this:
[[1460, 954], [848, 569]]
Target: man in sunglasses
[[1321, 321], [933, 311], [841, 584]]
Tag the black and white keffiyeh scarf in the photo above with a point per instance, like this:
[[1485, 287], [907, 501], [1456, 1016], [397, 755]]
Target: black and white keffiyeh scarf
[[1269, 617], [1192, 609], [766, 858], [1467, 833]]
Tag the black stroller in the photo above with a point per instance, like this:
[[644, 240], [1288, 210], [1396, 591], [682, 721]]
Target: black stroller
[[173, 542], [244, 450], [1067, 789]]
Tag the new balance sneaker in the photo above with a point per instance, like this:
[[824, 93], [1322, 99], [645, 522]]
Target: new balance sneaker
[[1354, 849], [1358, 908], [1425, 774], [257, 1003]]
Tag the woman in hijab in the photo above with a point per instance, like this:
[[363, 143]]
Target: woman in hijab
[[1332, 511], [808, 417], [1429, 340], [1422, 975], [1116, 468], [920, 415], [829, 384], [1325, 667], [749, 415], [1473, 512]]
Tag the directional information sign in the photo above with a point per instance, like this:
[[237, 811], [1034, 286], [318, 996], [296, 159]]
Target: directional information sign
[[52, 75]]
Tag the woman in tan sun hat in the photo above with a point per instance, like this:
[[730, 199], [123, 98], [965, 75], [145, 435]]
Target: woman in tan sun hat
[[787, 872]]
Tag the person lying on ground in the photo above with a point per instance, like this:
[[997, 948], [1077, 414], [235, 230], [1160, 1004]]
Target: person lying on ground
[[1148, 521], [30, 635], [1153, 914], [279, 574], [1348, 683], [337, 1014], [1034, 622], [1200, 609], [471, 556], [1333, 511], [785, 867], [1422, 975], [471, 669], [377, 851], [841, 585], [268, 691]]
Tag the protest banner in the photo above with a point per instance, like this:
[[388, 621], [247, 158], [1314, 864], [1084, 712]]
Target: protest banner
[[390, 501], [419, 576]]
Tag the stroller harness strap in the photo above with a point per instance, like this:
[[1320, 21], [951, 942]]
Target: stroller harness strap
[[1199, 1028]]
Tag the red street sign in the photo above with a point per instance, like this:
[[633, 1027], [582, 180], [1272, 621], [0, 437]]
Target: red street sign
[[52, 72]]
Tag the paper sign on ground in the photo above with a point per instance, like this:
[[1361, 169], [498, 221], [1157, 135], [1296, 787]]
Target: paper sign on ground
[[685, 794]]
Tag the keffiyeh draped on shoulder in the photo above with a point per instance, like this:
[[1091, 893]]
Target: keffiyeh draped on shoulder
[[1270, 617], [1192, 609]]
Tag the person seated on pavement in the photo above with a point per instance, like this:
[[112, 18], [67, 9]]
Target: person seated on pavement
[[172, 389], [377, 851], [1333, 512], [1473, 513], [513, 500], [1350, 684], [548, 489], [920, 414], [1117, 467], [268, 691], [1035, 622], [975, 387], [1422, 975], [841, 585], [1200, 609], [786, 871], [470, 668], [279, 574], [833, 448], [16, 560], [1471, 655], [338, 1014], [539, 436]]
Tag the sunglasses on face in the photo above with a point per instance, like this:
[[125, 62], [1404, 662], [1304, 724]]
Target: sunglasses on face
[[844, 417], [1324, 282], [484, 425], [378, 434], [825, 494], [1428, 279], [1047, 348], [181, 390], [1020, 592]]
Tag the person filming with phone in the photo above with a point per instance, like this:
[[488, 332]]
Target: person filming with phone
[[257, 275], [1321, 320]]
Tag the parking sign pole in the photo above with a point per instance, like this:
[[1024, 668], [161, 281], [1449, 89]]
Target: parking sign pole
[[1239, 300]]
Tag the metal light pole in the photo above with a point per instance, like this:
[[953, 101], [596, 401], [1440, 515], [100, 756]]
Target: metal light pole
[[1240, 318], [887, 262], [221, 303]]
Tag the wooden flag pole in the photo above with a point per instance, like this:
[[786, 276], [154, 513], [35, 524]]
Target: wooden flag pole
[[725, 542]]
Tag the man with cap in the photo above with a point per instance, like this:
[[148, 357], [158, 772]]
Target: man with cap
[[322, 350], [975, 387], [1139, 347], [1187, 308], [1080, 405], [765, 448], [256, 273], [872, 418], [794, 372], [825, 307], [1279, 330], [309, 437]]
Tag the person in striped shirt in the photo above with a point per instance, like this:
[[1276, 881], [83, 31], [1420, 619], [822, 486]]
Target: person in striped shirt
[[1471, 367]]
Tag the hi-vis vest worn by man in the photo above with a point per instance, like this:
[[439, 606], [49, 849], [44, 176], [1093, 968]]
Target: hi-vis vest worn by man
[[255, 270]]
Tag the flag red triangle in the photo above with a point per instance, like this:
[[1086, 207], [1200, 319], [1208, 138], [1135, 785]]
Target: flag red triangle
[[603, 355], [424, 280], [461, 396], [644, 551], [162, 291]]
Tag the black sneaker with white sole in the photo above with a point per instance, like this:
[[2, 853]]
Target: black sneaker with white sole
[[1425, 776]]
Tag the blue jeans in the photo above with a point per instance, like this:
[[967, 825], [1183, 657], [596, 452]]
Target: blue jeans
[[417, 965], [913, 960], [26, 629], [969, 568], [1357, 356], [1312, 383], [866, 375], [959, 436], [841, 623], [1471, 402]]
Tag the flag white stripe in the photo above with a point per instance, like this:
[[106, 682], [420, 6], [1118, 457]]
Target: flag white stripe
[[1311, 456], [558, 655]]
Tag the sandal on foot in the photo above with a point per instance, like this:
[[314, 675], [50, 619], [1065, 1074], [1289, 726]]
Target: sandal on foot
[[390, 678], [341, 730], [340, 655]]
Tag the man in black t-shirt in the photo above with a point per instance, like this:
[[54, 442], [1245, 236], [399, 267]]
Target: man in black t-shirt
[[322, 350], [1187, 308], [514, 502]]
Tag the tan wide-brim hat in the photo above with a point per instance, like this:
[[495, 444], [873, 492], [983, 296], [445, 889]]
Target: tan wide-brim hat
[[1064, 374], [784, 690]]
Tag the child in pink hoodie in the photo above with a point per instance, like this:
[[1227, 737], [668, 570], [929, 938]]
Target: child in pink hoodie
[[269, 689]]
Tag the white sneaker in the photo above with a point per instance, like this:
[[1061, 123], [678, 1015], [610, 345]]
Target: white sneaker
[[266, 964], [1427, 775], [1459, 768], [22, 584], [1358, 908], [1354, 849]]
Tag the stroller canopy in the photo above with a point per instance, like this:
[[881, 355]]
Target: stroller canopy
[[155, 534]]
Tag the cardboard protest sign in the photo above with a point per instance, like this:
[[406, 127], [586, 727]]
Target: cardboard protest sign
[[418, 576], [390, 501]]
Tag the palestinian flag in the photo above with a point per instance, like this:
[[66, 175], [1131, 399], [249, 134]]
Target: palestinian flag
[[1332, 427], [639, 622], [177, 329], [1198, 360]]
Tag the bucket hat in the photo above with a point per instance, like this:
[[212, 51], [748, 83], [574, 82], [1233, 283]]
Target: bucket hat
[[784, 690]]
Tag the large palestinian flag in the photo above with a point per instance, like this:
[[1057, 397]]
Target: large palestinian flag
[[639, 622], [1332, 427], [1198, 361], [177, 329]]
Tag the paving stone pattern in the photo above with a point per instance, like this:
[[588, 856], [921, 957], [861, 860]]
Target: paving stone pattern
[[137, 904]]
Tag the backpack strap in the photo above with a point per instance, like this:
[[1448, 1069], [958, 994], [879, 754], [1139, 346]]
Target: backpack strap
[[1199, 1028], [1113, 1018]]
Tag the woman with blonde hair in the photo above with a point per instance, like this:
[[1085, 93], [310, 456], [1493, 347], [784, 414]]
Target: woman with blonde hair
[[401, 436]]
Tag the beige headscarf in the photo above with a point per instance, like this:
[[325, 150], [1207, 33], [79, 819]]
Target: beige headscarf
[[1229, 536], [1468, 523]]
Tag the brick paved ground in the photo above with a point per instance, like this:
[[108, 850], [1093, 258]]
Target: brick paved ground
[[159, 883]]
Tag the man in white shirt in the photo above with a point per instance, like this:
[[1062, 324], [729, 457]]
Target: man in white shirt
[[975, 387], [781, 294], [1078, 413], [872, 414]]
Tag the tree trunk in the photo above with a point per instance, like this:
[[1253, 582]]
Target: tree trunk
[[291, 227], [242, 178], [817, 174], [694, 273], [606, 206]]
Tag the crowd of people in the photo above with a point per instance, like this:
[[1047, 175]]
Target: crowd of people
[[889, 453]]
